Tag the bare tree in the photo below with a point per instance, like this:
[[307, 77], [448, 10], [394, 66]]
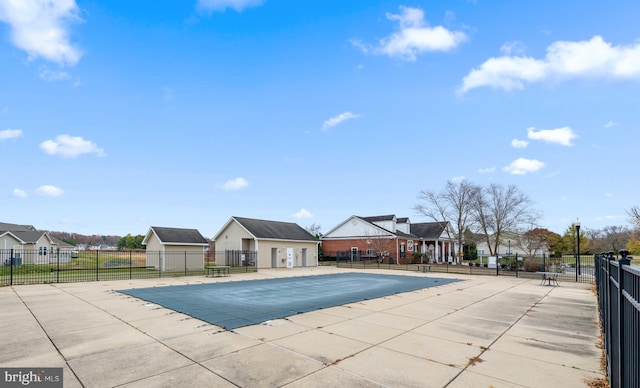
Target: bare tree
[[314, 230], [452, 204], [379, 242], [634, 213], [609, 238], [501, 209]]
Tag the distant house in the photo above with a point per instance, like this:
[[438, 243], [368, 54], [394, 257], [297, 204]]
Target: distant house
[[174, 249], [512, 244], [265, 244], [31, 246], [389, 238]]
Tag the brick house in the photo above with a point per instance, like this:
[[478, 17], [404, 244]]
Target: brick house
[[389, 239]]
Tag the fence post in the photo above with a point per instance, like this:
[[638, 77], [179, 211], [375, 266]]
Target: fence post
[[185, 263], [130, 265], [11, 268], [58, 266], [97, 264], [621, 319], [608, 320]]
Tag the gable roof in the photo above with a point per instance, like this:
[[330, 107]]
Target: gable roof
[[371, 221], [176, 236], [61, 244], [30, 237], [7, 227], [27, 234], [429, 230], [274, 230], [425, 230]]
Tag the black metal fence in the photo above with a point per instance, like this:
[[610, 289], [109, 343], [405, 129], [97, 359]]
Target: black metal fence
[[237, 258], [21, 266], [618, 286], [569, 268]]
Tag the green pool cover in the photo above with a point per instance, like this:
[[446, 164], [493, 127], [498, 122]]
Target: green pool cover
[[242, 303]]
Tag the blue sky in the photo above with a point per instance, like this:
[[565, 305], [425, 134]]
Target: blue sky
[[119, 115]]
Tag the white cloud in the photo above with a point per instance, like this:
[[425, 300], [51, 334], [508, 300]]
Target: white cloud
[[40, 27], [49, 191], [332, 122], [487, 170], [303, 213], [70, 146], [10, 134], [522, 166], [516, 143], [413, 37], [221, 5], [458, 179], [52, 75], [594, 58], [235, 184], [610, 124], [18, 193], [513, 48], [562, 136]]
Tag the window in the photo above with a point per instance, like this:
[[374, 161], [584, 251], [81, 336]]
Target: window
[[410, 245], [369, 252]]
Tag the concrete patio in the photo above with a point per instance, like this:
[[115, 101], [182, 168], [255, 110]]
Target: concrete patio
[[485, 331]]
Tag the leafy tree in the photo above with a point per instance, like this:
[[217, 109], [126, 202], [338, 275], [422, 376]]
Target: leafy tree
[[130, 242], [633, 244], [569, 240], [536, 240]]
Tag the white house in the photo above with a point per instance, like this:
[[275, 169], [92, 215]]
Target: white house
[[265, 244], [175, 249]]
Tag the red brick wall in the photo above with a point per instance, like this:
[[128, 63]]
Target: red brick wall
[[330, 247]]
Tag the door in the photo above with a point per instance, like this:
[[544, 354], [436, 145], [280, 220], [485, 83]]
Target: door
[[274, 257], [289, 257], [305, 262]]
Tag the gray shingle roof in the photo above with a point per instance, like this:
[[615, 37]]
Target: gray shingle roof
[[275, 229], [28, 236], [428, 230], [389, 217], [4, 226], [179, 235]]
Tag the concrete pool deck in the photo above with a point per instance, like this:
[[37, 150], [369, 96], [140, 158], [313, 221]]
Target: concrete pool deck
[[483, 331]]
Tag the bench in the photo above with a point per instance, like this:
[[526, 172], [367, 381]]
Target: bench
[[551, 278], [218, 270], [423, 267]]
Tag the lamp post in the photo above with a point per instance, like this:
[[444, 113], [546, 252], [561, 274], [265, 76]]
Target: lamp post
[[578, 258]]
